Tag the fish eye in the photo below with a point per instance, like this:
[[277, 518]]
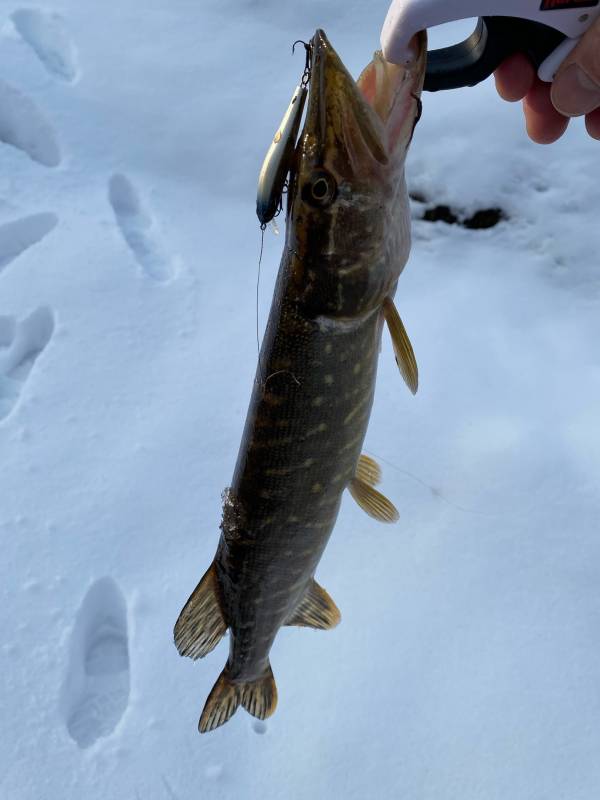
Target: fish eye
[[320, 190]]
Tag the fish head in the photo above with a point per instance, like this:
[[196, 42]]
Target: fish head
[[348, 222]]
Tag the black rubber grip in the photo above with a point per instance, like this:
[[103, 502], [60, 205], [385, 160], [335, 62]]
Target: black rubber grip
[[493, 40]]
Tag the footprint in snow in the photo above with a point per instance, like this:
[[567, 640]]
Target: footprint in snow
[[17, 236], [45, 32], [23, 126], [95, 693], [139, 229], [20, 345]]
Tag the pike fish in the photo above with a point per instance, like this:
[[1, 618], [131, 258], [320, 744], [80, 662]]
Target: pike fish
[[347, 240]]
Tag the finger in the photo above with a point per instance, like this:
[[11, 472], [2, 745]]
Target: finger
[[576, 87], [514, 77], [592, 124], [544, 123]]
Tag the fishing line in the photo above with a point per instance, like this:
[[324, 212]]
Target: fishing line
[[436, 492], [263, 228]]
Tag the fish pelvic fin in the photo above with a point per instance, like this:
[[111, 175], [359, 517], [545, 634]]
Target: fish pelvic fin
[[315, 610], [405, 357], [221, 704], [201, 624], [259, 697], [373, 502], [368, 470]]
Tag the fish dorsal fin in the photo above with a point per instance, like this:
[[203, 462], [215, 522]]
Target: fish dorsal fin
[[372, 501], [316, 609], [405, 357], [368, 470], [201, 624]]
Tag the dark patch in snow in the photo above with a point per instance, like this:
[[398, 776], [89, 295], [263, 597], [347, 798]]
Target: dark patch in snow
[[480, 220], [440, 214], [484, 218], [258, 726]]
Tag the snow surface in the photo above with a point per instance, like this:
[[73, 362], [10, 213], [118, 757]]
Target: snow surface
[[467, 664]]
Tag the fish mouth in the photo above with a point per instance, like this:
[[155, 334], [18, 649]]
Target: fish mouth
[[355, 116], [338, 115]]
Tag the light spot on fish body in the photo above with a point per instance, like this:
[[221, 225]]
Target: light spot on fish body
[[327, 501], [357, 368], [278, 471], [293, 518], [328, 347], [321, 428], [309, 462], [349, 445], [278, 442], [328, 379], [316, 488], [318, 401], [349, 417]]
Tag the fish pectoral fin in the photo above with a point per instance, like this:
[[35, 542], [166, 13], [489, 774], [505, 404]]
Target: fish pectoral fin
[[405, 357], [315, 610], [201, 624], [259, 697], [368, 470], [221, 704], [372, 501]]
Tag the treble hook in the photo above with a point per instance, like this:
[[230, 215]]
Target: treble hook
[[308, 48]]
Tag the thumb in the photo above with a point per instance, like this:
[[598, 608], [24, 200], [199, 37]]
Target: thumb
[[576, 87]]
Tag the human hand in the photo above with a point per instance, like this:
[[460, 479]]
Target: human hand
[[574, 92]]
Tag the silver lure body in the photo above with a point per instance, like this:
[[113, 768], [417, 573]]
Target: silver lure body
[[277, 161]]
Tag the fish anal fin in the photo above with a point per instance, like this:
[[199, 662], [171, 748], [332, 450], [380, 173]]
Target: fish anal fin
[[201, 624], [315, 610], [259, 697], [221, 704], [368, 470], [405, 357], [373, 502]]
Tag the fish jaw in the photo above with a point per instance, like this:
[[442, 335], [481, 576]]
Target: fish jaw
[[341, 126], [348, 224]]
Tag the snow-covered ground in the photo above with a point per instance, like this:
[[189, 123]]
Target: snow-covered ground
[[467, 665]]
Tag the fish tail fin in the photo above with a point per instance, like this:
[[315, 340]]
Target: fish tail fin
[[221, 704], [259, 697]]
